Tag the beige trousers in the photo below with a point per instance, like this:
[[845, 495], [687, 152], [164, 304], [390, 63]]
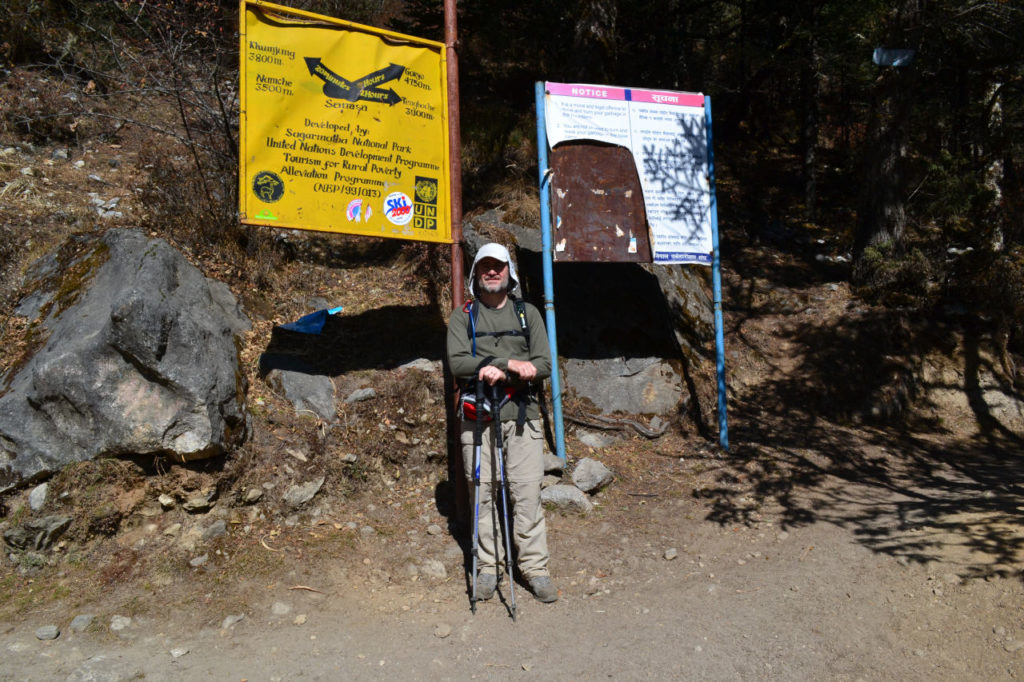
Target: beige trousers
[[524, 468]]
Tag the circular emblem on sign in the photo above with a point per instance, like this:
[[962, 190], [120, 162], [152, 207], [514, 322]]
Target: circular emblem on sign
[[355, 207], [426, 191], [267, 187], [398, 208]]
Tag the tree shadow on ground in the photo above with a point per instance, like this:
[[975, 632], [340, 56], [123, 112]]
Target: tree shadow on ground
[[381, 338], [909, 488]]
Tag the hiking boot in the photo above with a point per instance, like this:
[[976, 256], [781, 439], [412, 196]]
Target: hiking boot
[[543, 589], [485, 585]]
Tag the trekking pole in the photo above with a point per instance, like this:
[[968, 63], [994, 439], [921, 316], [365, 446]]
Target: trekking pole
[[503, 484], [478, 429]]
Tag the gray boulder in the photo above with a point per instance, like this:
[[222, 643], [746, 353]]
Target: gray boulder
[[566, 498], [590, 475], [298, 495], [306, 392], [139, 356], [629, 385], [38, 534]]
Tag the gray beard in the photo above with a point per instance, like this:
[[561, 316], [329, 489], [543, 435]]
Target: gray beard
[[499, 288]]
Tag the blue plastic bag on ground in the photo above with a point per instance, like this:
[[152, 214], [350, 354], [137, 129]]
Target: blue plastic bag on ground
[[312, 323]]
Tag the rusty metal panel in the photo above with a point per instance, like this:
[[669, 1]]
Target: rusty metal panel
[[597, 205]]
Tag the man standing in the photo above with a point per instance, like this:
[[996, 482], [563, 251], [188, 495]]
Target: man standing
[[487, 341]]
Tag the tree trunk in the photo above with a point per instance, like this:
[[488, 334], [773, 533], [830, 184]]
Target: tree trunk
[[810, 86], [882, 217]]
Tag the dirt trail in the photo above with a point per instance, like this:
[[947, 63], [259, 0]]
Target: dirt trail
[[860, 592]]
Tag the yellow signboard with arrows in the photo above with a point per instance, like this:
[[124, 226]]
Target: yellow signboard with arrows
[[344, 127]]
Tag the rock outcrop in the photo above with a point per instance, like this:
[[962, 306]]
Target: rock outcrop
[[136, 354]]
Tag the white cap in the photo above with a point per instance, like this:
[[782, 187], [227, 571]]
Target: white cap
[[498, 252]]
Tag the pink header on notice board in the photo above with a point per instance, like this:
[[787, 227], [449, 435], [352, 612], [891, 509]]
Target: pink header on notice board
[[683, 99], [583, 90]]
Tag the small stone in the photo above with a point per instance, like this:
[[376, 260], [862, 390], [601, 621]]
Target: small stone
[[297, 454], [434, 529], [215, 530], [432, 568], [172, 530], [1014, 645], [553, 463], [300, 619], [166, 501], [252, 495], [37, 498], [424, 365], [200, 502], [671, 553], [349, 458], [566, 497], [549, 480], [47, 632], [298, 495], [280, 609], [231, 621], [783, 535], [178, 652], [442, 630], [81, 622], [361, 395], [119, 623], [999, 630], [199, 561], [367, 531]]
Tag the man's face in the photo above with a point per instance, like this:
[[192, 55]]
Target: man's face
[[492, 275]]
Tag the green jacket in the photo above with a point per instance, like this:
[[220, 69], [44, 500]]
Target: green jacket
[[504, 348]]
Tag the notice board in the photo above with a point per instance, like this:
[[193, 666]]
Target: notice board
[[665, 133]]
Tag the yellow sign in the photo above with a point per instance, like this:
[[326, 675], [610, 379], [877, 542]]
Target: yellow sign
[[344, 128]]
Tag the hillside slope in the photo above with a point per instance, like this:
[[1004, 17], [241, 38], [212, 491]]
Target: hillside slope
[[827, 543]]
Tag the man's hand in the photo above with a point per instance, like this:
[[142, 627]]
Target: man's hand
[[492, 374], [524, 368]]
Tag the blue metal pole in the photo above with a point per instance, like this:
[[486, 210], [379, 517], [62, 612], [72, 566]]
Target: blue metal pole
[[546, 259], [716, 281]]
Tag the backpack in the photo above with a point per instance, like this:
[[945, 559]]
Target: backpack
[[485, 409], [472, 308]]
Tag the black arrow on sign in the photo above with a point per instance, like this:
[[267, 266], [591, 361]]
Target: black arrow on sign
[[334, 85], [364, 88], [389, 96], [389, 73]]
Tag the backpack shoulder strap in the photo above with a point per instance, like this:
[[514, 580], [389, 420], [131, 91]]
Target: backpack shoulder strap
[[472, 309], [520, 306]]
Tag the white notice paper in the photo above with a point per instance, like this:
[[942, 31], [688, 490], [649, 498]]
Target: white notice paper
[[666, 133]]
